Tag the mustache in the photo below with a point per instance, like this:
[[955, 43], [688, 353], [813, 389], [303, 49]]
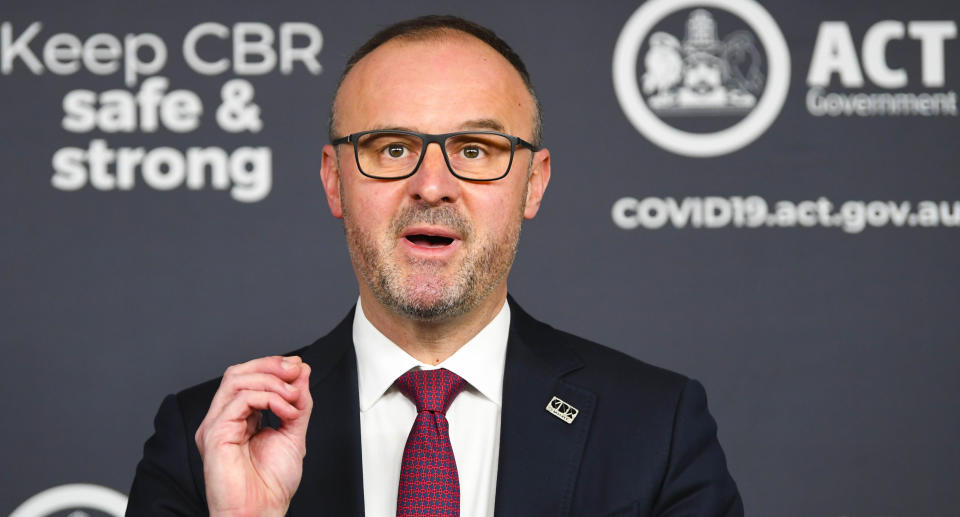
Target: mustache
[[444, 215]]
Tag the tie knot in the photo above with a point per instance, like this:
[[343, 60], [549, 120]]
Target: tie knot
[[431, 390]]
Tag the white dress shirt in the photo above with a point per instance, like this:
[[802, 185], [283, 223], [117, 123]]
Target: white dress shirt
[[386, 415]]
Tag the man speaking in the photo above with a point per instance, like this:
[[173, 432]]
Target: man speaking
[[437, 394]]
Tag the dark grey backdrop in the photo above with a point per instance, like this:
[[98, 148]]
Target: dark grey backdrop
[[830, 358]]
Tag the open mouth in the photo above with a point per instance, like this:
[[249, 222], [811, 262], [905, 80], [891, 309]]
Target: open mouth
[[429, 241]]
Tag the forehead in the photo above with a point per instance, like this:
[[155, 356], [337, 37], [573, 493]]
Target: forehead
[[433, 84]]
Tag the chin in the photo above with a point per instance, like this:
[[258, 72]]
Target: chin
[[433, 311], [429, 301]]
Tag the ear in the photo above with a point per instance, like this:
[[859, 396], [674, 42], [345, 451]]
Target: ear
[[330, 175], [537, 182]]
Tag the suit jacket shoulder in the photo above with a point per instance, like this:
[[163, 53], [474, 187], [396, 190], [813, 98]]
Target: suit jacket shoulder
[[642, 442]]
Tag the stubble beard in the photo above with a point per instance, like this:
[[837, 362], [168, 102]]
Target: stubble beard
[[424, 293]]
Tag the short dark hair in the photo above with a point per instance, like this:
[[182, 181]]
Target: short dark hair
[[432, 26]]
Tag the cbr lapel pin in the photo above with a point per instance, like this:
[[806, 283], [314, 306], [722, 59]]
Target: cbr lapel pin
[[562, 410]]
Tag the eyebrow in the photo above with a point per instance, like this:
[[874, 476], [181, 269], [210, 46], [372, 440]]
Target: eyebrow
[[482, 123]]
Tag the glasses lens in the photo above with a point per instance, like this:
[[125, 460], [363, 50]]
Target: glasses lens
[[479, 156], [386, 154]]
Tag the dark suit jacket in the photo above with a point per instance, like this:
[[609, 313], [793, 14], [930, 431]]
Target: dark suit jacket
[[642, 444]]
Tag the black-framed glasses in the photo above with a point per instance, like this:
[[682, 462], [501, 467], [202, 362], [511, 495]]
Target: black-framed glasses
[[470, 155]]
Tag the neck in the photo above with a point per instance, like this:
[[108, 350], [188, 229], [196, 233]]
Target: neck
[[432, 342]]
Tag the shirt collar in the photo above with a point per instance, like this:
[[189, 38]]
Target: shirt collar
[[380, 361]]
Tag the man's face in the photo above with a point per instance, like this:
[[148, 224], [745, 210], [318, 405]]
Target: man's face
[[432, 246]]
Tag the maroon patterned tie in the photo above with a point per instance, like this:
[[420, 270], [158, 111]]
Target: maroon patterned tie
[[429, 484]]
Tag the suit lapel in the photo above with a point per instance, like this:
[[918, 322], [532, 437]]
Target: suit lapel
[[540, 454], [332, 481]]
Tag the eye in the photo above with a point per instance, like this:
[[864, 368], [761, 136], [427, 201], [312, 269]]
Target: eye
[[395, 150], [472, 152]]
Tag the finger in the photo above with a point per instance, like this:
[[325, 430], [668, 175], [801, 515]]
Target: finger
[[254, 422], [231, 426], [302, 385], [297, 427], [286, 369], [258, 401], [233, 384]]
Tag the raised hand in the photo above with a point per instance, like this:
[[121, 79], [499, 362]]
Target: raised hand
[[251, 470]]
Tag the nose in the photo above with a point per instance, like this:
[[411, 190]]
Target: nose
[[433, 183]]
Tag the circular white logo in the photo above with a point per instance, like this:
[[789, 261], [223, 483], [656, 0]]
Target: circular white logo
[[72, 497], [701, 75]]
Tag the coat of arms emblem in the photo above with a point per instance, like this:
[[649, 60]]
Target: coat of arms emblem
[[702, 74]]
